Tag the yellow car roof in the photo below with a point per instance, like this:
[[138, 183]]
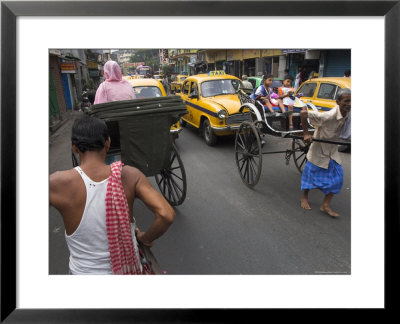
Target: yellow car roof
[[342, 81], [144, 82], [206, 77]]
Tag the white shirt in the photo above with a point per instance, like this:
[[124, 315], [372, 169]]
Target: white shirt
[[329, 125], [88, 245]]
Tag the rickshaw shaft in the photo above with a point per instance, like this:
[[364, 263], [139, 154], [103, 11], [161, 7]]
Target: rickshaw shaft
[[319, 140]]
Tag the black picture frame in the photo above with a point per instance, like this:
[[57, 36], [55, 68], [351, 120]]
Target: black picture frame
[[10, 10]]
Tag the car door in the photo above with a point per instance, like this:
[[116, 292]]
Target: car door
[[325, 98], [185, 97], [194, 102], [180, 82], [308, 89]]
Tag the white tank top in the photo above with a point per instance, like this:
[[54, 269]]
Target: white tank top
[[88, 245]]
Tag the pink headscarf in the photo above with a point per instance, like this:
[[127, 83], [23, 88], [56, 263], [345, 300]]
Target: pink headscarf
[[114, 88]]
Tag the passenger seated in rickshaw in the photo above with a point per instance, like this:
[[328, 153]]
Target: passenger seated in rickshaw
[[287, 99], [263, 94]]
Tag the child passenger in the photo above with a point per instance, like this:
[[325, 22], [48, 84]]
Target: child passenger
[[286, 97], [264, 91]]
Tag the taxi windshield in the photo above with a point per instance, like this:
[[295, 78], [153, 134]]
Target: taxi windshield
[[147, 92], [219, 87]]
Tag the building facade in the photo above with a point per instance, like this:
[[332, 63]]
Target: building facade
[[57, 103], [71, 71], [183, 60], [124, 55], [254, 62]]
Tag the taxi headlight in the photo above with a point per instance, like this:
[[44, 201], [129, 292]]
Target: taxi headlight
[[222, 114]]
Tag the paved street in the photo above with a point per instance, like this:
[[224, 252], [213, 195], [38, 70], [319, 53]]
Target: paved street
[[223, 227]]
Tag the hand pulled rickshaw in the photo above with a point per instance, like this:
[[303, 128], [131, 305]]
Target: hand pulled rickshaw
[[255, 124], [140, 132]]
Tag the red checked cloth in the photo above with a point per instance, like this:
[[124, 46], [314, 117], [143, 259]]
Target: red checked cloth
[[122, 253]]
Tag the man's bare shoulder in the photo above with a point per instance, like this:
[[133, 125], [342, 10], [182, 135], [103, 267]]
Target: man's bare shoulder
[[60, 179], [131, 172]]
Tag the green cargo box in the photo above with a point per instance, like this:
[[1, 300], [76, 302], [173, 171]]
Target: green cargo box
[[140, 130]]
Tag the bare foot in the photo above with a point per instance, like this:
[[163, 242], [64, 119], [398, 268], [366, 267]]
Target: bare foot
[[328, 210], [304, 203]]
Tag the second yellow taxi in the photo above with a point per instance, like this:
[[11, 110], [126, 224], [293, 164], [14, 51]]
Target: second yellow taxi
[[321, 92], [176, 84], [152, 88], [212, 103]]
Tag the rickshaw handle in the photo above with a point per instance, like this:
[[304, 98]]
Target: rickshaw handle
[[319, 140]]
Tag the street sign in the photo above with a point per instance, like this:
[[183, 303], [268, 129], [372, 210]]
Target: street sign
[[67, 68]]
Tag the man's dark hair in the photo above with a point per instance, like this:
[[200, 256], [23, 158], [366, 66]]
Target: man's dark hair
[[91, 96], [288, 77], [347, 73], [89, 134], [267, 76]]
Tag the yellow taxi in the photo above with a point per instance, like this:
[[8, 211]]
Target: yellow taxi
[[321, 92], [176, 85], [152, 88], [132, 77], [213, 104]]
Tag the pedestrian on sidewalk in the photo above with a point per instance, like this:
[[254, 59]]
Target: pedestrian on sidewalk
[[165, 84], [323, 169], [91, 96], [95, 201], [113, 88], [300, 77]]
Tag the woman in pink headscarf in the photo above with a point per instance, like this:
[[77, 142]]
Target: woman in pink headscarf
[[114, 88]]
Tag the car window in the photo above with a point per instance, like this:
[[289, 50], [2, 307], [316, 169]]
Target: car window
[[327, 91], [181, 79], [185, 88], [147, 92], [219, 87], [307, 89], [194, 89]]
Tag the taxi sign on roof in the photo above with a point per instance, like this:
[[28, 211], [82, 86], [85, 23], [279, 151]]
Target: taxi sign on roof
[[211, 73]]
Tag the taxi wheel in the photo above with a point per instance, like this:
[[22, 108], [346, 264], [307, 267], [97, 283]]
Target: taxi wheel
[[299, 151], [208, 133], [172, 180]]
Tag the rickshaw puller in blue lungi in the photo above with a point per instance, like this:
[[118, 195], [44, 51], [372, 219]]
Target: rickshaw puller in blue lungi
[[323, 169]]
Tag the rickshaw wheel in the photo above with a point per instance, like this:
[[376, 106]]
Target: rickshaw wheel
[[300, 150], [172, 180], [248, 154], [75, 159]]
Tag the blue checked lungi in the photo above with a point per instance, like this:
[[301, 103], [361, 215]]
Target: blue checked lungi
[[327, 180]]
